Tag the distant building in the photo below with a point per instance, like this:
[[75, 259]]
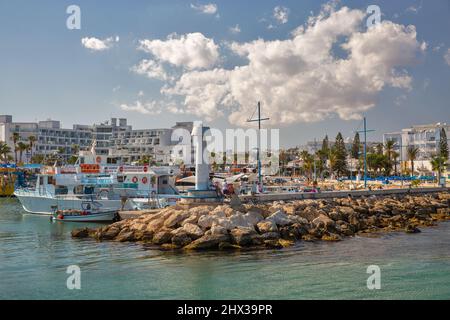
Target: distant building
[[131, 145], [424, 137], [115, 138]]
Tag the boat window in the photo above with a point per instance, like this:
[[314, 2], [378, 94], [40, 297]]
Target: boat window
[[51, 180], [164, 181], [89, 190], [41, 181], [120, 179], [61, 190]]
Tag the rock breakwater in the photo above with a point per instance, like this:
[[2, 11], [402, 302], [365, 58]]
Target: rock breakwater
[[275, 225]]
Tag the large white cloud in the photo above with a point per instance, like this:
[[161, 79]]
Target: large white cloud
[[300, 79], [95, 44], [191, 51]]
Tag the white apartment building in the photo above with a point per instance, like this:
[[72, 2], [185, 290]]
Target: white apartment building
[[424, 137], [114, 138], [158, 144]]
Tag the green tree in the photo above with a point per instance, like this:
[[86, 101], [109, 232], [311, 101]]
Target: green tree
[[443, 145], [438, 164], [4, 151], [340, 156], [356, 146], [389, 150], [412, 153], [38, 158], [75, 149], [325, 151], [21, 147], [15, 138], [31, 142], [395, 156]]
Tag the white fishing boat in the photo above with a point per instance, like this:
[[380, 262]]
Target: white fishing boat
[[95, 215], [93, 178]]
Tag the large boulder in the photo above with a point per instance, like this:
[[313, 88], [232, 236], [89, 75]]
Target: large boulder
[[208, 242], [181, 239], [175, 218], [280, 218], [205, 222], [267, 226], [323, 220], [193, 230], [80, 233], [155, 224], [253, 217], [238, 220], [109, 233], [245, 237], [162, 237], [218, 229], [125, 236]]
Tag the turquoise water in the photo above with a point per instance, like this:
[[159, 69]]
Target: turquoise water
[[34, 256]]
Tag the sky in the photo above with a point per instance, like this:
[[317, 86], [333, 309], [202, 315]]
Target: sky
[[317, 67]]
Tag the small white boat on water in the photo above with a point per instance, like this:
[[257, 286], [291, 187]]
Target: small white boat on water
[[85, 215]]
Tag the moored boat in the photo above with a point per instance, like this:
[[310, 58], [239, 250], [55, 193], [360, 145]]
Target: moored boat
[[85, 215]]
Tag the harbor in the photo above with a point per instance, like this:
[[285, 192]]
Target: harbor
[[218, 150]]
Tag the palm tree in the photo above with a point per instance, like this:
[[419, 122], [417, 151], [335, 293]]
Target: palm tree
[[31, 141], [395, 156], [412, 153], [389, 148], [4, 150], [21, 147], [438, 164], [75, 149], [15, 138]]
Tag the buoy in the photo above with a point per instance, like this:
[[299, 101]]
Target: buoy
[[144, 180], [135, 179]]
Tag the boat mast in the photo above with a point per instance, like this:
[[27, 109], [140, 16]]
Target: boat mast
[[258, 156]]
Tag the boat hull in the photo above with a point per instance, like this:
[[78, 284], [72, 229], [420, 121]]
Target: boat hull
[[96, 217], [46, 205]]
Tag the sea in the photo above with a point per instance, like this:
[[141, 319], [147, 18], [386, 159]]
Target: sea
[[40, 260]]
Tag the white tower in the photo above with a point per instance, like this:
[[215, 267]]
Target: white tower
[[201, 164]]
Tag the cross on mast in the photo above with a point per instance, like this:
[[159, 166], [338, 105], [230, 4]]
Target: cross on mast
[[365, 131], [258, 157]]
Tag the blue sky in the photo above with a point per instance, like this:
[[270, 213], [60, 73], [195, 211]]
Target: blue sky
[[46, 72]]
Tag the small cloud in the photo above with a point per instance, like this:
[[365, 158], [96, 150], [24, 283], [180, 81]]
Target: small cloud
[[447, 57], [210, 8], [270, 27], [141, 93], [281, 14], [438, 47], [117, 88], [95, 44], [414, 8], [152, 69], [426, 83], [400, 100], [150, 108], [235, 30]]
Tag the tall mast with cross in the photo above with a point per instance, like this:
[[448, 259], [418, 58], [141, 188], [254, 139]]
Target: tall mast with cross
[[365, 131], [258, 156]]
